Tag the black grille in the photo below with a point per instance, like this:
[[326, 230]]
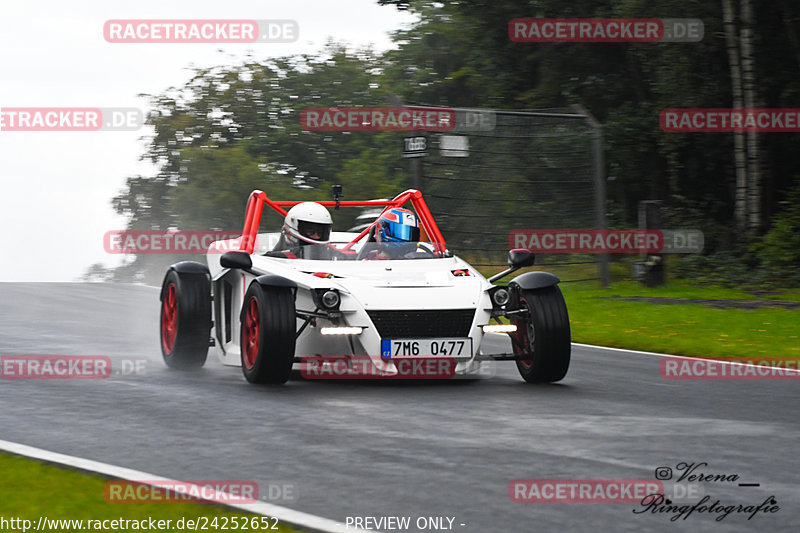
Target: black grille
[[422, 324]]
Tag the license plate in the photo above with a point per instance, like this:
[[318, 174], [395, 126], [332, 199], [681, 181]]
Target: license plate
[[409, 348]]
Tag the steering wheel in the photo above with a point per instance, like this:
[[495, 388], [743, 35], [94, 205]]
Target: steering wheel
[[413, 248]]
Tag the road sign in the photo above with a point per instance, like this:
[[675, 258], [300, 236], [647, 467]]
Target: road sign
[[415, 146], [454, 145]]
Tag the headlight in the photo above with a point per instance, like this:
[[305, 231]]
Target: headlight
[[499, 328], [330, 299], [341, 330], [500, 297]]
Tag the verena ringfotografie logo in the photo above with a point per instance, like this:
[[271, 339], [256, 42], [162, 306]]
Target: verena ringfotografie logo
[[692, 369], [70, 119], [362, 367], [723, 120], [201, 31], [597, 241], [171, 241], [605, 30], [167, 491], [582, 490], [377, 119], [55, 367], [697, 476]]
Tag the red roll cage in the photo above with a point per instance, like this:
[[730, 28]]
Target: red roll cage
[[257, 200]]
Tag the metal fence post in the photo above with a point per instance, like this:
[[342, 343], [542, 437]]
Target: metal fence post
[[598, 157]]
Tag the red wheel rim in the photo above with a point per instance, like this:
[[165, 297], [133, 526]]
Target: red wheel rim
[[169, 319], [251, 330], [524, 336]]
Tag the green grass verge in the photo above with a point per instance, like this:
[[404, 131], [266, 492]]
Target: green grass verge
[[31, 489], [682, 329]]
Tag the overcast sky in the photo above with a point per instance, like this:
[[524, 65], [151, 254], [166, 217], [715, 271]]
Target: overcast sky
[[57, 186]]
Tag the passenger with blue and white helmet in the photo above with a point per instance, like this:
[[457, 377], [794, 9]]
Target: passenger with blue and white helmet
[[397, 225]]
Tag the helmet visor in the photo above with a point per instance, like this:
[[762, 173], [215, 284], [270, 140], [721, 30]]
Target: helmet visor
[[314, 230], [394, 231]]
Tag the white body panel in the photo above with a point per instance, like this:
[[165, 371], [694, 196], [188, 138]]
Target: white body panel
[[413, 285]]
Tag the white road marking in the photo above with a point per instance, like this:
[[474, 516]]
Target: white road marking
[[285, 515], [657, 354], [693, 358]]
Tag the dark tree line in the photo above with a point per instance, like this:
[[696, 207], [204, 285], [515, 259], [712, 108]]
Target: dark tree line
[[232, 129]]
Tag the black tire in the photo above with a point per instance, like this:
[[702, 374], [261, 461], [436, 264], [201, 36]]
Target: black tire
[[268, 334], [185, 321], [543, 337]]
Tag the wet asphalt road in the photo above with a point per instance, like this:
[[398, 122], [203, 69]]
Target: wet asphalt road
[[395, 448]]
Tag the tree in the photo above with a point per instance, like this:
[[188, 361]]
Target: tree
[[230, 129], [740, 154]]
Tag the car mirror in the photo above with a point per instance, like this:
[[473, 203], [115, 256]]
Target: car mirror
[[520, 258], [237, 259]]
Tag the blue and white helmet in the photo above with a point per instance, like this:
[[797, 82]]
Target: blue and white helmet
[[397, 225]]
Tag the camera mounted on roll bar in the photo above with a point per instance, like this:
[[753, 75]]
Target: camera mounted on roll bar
[[337, 194]]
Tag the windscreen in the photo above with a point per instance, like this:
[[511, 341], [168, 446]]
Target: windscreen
[[370, 251]]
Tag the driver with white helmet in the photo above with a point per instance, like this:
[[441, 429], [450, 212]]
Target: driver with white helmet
[[306, 224]]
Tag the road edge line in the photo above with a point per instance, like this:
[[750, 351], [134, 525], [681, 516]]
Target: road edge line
[[297, 519], [744, 363], [659, 354]]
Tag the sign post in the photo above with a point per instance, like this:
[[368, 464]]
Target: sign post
[[416, 148]]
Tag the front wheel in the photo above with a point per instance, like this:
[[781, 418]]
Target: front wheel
[[268, 334], [542, 340]]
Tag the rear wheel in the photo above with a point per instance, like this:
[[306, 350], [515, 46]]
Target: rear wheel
[[268, 334], [542, 339], [185, 323]]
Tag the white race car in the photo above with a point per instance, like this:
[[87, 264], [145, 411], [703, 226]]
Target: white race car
[[352, 308]]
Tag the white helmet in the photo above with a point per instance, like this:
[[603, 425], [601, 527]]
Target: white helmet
[[307, 223]]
